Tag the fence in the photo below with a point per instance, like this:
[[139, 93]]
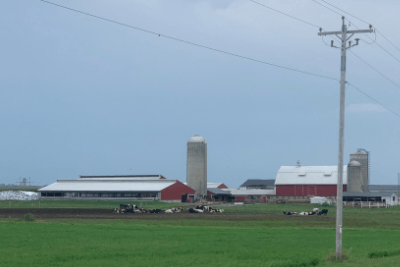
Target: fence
[[366, 204]]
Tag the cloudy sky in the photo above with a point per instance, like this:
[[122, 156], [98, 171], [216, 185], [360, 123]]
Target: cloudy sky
[[82, 96]]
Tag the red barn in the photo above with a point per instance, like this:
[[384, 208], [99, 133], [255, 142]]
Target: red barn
[[308, 181]]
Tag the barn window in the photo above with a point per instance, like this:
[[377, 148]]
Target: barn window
[[394, 199]]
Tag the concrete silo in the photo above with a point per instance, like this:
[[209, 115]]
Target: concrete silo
[[196, 167], [362, 156], [354, 177]]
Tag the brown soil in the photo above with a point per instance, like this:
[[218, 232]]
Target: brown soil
[[108, 214]]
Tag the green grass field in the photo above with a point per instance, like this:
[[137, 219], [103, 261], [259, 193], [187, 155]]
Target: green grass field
[[248, 241]]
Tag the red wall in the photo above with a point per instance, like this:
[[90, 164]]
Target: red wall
[[222, 186], [307, 190], [175, 191]]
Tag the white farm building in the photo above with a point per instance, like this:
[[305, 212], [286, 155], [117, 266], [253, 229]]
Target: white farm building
[[145, 187]]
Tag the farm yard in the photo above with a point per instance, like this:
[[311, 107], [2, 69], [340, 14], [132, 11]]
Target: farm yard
[[69, 233]]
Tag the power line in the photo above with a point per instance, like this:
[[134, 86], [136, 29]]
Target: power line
[[370, 97], [306, 22], [375, 69], [345, 12], [373, 41], [328, 8], [309, 23], [387, 40], [224, 52], [190, 43]]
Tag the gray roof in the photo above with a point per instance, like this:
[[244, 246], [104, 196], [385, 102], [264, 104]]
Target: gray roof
[[255, 182], [218, 191], [367, 194], [380, 188]]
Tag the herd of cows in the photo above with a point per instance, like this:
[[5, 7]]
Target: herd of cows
[[200, 209], [315, 211], [135, 209]]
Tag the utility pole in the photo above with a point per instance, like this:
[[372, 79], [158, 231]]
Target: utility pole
[[342, 35]]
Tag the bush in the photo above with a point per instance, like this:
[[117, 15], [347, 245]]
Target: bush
[[313, 262], [381, 254], [28, 217], [332, 257]]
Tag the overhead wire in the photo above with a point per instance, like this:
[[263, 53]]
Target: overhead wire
[[370, 97], [309, 23], [373, 41], [358, 89], [380, 73], [190, 43], [221, 51]]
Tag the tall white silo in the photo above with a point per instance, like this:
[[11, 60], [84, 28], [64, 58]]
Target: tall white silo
[[362, 156], [196, 167], [354, 177]]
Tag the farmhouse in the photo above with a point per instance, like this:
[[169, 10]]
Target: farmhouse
[[308, 181], [118, 188]]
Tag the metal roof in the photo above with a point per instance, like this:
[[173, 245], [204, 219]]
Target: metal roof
[[384, 188], [367, 194], [137, 177], [109, 185], [218, 191], [259, 182], [251, 192], [322, 175], [213, 185]]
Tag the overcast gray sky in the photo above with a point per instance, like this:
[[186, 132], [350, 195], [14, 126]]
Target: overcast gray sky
[[81, 96]]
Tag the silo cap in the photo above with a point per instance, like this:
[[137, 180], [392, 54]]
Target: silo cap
[[354, 163], [197, 139]]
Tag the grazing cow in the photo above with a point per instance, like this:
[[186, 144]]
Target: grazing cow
[[315, 210]]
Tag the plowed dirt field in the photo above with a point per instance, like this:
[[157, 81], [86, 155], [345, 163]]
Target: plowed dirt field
[[108, 214]]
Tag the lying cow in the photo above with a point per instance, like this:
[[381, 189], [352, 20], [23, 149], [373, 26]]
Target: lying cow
[[191, 210], [315, 210], [324, 211]]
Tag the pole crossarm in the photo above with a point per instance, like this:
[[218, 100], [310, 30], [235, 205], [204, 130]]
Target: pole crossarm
[[339, 32]]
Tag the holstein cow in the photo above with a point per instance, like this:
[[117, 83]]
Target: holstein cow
[[315, 210], [324, 211]]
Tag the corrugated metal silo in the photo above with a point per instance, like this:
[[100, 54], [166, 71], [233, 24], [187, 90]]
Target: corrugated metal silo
[[362, 156], [354, 177], [196, 168]]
